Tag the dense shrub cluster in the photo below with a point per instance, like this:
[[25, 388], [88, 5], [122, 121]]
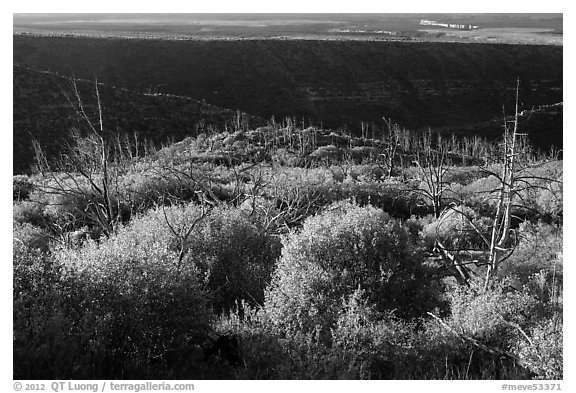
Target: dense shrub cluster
[[104, 317], [363, 344], [544, 351], [30, 212], [487, 315], [345, 248], [302, 264], [230, 256], [21, 187], [30, 236], [537, 262]]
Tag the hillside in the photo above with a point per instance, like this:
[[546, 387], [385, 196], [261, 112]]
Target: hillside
[[543, 125], [42, 112], [339, 83]]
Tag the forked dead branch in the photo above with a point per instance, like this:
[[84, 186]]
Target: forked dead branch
[[501, 239]]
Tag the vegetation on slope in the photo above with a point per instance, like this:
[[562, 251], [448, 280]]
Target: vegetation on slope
[[286, 252]]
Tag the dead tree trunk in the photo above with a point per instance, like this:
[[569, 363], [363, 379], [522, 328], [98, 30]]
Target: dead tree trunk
[[502, 219]]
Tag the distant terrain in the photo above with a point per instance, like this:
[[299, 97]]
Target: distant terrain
[[493, 28], [332, 84]]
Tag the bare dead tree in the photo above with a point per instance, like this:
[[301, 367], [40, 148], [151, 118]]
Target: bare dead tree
[[513, 178], [255, 190], [499, 239], [84, 169], [392, 143], [290, 207], [182, 233], [434, 167]]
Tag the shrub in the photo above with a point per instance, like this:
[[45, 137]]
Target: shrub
[[488, 315], [543, 194], [363, 344], [367, 344], [440, 354], [80, 207], [141, 190], [22, 186], [63, 202], [542, 198], [544, 353], [42, 341], [416, 226], [235, 255], [239, 144], [549, 201], [31, 236], [29, 212], [496, 317], [537, 260], [231, 256], [327, 153], [338, 251], [68, 208], [286, 157], [130, 303], [463, 175], [309, 190], [263, 352], [455, 229], [476, 195], [359, 153]]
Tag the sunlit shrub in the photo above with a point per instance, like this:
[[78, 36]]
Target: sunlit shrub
[[537, 260], [497, 317], [286, 157], [542, 197], [544, 354], [29, 212], [42, 342], [143, 190], [320, 186], [370, 173], [463, 175], [131, 299], [231, 256], [457, 229], [480, 195], [68, 207], [362, 344], [542, 188], [488, 315], [416, 228], [550, 200], [104, 317], [31, 236], [338, 251], [327, 153]]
